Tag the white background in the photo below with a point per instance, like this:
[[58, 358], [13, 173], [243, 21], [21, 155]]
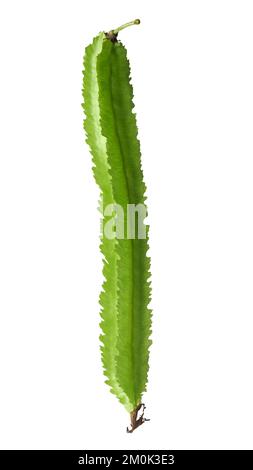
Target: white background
[[192, 75]]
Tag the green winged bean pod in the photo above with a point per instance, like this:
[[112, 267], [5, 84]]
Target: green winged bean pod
[[111, 133]]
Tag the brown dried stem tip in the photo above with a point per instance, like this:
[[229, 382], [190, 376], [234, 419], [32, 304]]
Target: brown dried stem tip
[[135, 421]]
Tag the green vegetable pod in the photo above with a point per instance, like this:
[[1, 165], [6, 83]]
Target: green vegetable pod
[[111, 132]]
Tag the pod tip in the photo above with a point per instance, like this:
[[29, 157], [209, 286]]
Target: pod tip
[[126, 25]]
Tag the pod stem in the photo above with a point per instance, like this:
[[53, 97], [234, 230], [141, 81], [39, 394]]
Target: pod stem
[[126, 25], [135, 419]]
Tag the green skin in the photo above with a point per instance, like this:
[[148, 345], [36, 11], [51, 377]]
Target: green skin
[[111, 132]]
